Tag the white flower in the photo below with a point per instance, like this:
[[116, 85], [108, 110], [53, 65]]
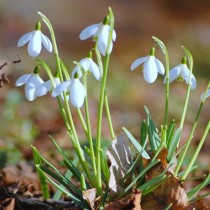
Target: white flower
[[207, 95], [101, 31], [32, 84], [151, 67], [182, 72], [75, 88], [48, 86], [35, 38], [88, 65]]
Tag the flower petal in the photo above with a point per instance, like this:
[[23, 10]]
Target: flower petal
[[160, 67], [185, 74], [103, 39], [46, 42], [89, 31], [138, 62], [30, 91], [173, 74], [94, 68], [114, 36], [76, 70], [85, 63], [24, 39], [150, 70], [34, 47], [45, 87], [77, 93], [22, 80], [61, 87]]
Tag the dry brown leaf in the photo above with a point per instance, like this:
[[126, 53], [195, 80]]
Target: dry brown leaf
[[198, 205], [131, 202], [119, 155], [90, 196], [171, 191]]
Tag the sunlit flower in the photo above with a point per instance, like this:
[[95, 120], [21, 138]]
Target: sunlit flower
[[88, 65], [76, 90], [101, 32], [207, 95], [35, 38], [151, 67], [181, 72], [32, 84]]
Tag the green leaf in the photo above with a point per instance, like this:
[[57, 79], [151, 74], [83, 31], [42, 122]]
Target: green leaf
[[195, 190], [143, 135], [173, 145], [68, 163], [68, 175], [152, 184], [136, 144], [152, 132], [170, 133], [42, 179], [78, 201], [150, 165]]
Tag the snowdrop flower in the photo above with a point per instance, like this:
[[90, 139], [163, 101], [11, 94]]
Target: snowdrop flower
[[101, 32], [151, 67], [88, 65], [35, 38], [75, 88], [32, 84], [48, 86], [181, 72]]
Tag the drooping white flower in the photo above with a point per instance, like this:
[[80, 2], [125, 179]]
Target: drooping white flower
[[35, 38], [76, 90], [101, 32], [88, 65], [151, 67], [32, 84], [207, 95], [181, 72], [48, 86]]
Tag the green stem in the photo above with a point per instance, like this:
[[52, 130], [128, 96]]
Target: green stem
[[109, 117], [167, 89], [188, 141], [101, 104], [191, 133], [82, 121], [57, 58], [197, 151], [77, 145], [89, 134]]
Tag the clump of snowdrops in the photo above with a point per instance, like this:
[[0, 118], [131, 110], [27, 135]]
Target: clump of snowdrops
[[150, 178]]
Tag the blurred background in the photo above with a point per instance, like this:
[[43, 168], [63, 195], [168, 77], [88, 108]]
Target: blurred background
[[175, 22]]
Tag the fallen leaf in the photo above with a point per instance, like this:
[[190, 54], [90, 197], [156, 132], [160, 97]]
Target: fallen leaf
[[131, 201], [119, 155], [90, 196]]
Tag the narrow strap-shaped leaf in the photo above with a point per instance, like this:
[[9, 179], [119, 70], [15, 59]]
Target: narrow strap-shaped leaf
[[170, 133], [68, 163], [152, 132], [150, 165], [68, 174], [80, 202], [42, 179], [68, 184], [143, 135], [173, 145], [136, 144]]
